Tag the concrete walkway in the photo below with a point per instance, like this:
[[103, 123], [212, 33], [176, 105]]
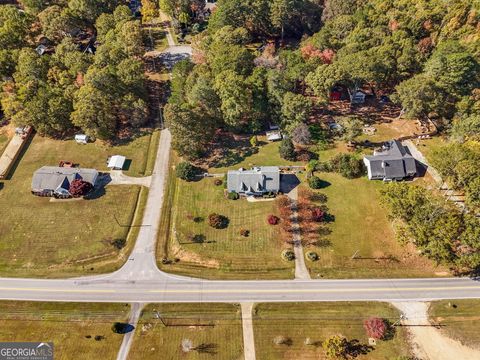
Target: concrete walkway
[[128, 337], [428, 342], [248, 336], [119, 178], [301, 271]]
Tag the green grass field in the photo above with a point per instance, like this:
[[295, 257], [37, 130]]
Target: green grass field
[[318, 321], [72, 327], [218, 327], [222, 253], [361, 224], [65, 238], [460, 319]]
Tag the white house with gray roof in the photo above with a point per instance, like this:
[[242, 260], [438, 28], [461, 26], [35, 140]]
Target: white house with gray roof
[[393, 162], [257, 181], [52, 180]]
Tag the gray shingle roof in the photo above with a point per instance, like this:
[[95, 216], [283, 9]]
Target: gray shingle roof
[[52, 177], [257, 180], [394, 162]]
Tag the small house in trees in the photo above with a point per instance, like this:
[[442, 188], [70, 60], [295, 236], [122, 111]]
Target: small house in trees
[[116, 162], [256, 182], [392, 163], [56, 181], [357, 96]]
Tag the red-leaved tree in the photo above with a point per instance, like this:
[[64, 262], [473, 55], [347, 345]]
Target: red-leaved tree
[[375, 327], [317, 214], [272, 219], [78, 188]]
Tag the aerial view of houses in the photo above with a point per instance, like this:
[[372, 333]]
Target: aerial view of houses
[[233, 179]]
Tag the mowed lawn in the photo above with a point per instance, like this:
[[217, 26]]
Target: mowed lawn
[[318, 321], [459, 319], [361, 226], [207, 252], [39, 237], [72, 327], [217, 329]]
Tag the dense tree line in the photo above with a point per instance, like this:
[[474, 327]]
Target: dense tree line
[[93, 76], [436, 228], [424, 53]]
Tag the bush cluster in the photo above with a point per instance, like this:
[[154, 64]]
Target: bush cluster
[[186, 171], [233, 196], [347, 165], [273, 220], [315, 182], [288, 255], [245, 232], [217, 221], [312, 256]]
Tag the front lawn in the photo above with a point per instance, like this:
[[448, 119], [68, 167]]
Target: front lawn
[[360, 225], [214, 332], [296, 322], [203, 251], [77, 330], [66, 238], [459, 319]]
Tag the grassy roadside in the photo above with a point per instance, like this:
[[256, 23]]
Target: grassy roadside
[[318, 321], [72, 327], [460, 319], [218, 328]]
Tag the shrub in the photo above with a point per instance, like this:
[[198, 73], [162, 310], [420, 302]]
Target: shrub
[[324, 167], [288, 255], [186, 171], [321, 198], [315, 182], [347, 165], [244, 232], [287, 150], [317, 214], [233, 196], [217, 182], [217, 221], [305, 156], [312, 256], [273, 220], [78, 188], [335, 347], [282, 340], [254, 141], [375, 327], [120, 328]]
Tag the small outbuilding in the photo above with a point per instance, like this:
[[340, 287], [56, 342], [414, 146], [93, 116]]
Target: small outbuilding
[[81, 138], [116, 162], [357, 97], [275, 135]]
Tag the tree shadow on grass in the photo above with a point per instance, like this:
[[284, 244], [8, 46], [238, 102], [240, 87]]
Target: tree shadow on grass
[[355, 348], [207, 348]]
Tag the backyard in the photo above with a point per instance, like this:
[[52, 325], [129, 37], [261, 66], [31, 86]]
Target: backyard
[[459, 319], [295, 322], [40, 237], [212, 332], [78, 330]]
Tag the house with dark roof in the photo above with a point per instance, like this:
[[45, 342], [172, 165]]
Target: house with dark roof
[[257, 181], [55, 181], [393, 162]]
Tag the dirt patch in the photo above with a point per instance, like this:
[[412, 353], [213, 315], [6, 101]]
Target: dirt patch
[[429, 342], [191, 257]]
